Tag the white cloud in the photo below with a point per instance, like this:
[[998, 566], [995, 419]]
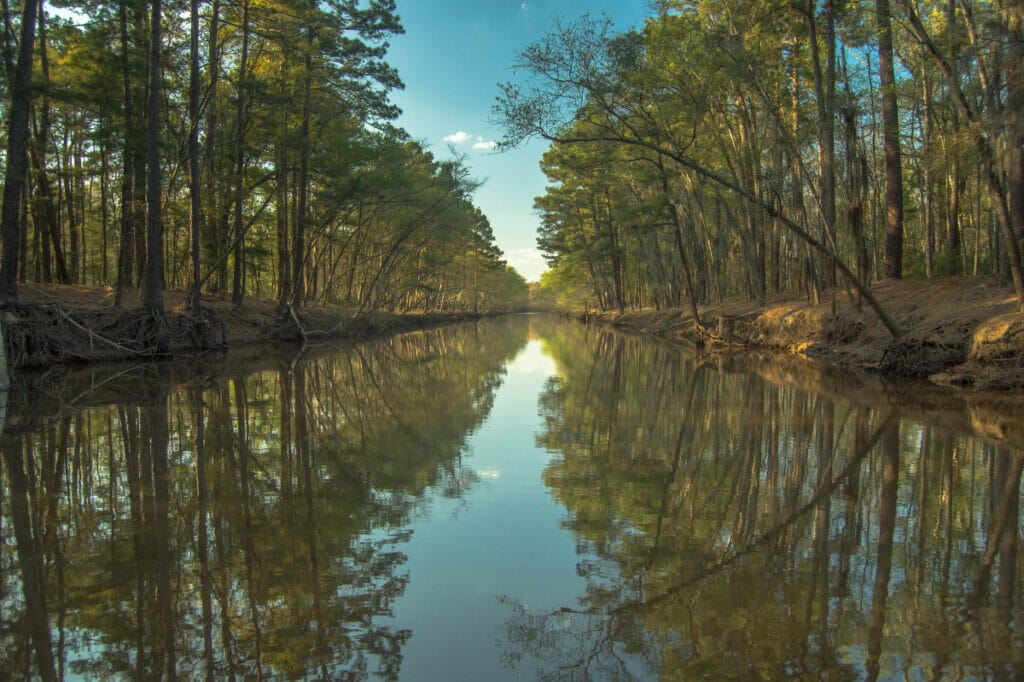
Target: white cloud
[[532, 360], [462, 137], [457, 138], [528, 262]]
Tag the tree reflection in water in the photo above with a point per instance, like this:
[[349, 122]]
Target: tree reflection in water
[[728, 526], [241, 526], [730, 519]]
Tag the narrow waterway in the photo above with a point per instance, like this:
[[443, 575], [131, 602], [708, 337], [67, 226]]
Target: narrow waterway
[[510, 499]]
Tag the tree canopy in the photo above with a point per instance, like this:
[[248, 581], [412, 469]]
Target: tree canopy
[[265, 136], [736, 149]]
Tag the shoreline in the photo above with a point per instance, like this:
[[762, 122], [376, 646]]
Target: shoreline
[[962, 332], [60, 325]]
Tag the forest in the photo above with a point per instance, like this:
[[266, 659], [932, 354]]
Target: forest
[[779, 147], [238, 149]]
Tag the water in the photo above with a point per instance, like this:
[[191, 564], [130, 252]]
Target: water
[[512, 499]]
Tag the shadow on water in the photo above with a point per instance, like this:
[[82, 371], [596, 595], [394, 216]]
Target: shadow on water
[[732, 525], [232, 517], [726, 516]]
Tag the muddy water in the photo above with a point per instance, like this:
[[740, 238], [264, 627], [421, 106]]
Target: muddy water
[[506, 500]]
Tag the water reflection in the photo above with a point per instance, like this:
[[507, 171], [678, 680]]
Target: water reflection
[[238, 526], [730, 527], [679, 516]]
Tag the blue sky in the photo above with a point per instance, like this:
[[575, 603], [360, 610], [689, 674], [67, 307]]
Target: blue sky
[[451, 58]]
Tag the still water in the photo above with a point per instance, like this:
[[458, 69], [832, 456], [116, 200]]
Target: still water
[[514, 499]]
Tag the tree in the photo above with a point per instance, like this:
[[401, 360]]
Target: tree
[[194, 178], [995, 121], [891, 135], [312, 203], [17, 154], [579, 71], [153, 283]]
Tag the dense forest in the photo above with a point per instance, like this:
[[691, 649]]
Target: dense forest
[[779, 147], [243, 148]]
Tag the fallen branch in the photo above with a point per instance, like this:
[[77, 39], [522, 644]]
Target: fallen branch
[[295, 319], [92, 334]]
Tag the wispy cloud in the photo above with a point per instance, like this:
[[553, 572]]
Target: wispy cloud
[[457, 138], [484, 144]]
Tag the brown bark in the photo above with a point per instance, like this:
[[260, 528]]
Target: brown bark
[[825, 95], [17, 155], [152, 292], [47, 214], [298, 246], [194, 181], [238, 282], [283, 270], [125, 262], [891, 144]]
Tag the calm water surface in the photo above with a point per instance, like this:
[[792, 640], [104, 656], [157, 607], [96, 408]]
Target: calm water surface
[[514, 499]]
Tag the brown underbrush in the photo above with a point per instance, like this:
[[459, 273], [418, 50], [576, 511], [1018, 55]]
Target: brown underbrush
[[58, 324], [960, 331]]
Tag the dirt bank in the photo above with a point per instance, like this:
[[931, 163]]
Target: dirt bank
[[961, 331], [53, 324]]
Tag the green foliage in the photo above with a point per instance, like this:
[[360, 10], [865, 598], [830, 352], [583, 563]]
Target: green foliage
[[387, 224], [687, 158]]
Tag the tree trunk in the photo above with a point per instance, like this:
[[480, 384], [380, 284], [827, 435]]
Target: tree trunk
[[8, 46], [17, 155], [1013, 17], [125, 262], [152, 293], [298, 247], [75, 220], [825, 95], [47, 215], [891, 143], [104, 218], [212, 237], [955, 182], [194, 181], [926, 174], [49, 209], [238, 282], [684, 262], [283, 270]]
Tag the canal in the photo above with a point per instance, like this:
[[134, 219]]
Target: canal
[[518, 498]]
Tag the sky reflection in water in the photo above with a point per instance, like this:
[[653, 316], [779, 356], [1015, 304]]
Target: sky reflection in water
[[510, 499]]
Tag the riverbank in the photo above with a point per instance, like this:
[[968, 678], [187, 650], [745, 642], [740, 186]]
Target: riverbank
[[58, 324], [961, 331]]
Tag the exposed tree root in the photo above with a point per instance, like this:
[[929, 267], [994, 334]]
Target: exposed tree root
[[40, 335], [959, 331]]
